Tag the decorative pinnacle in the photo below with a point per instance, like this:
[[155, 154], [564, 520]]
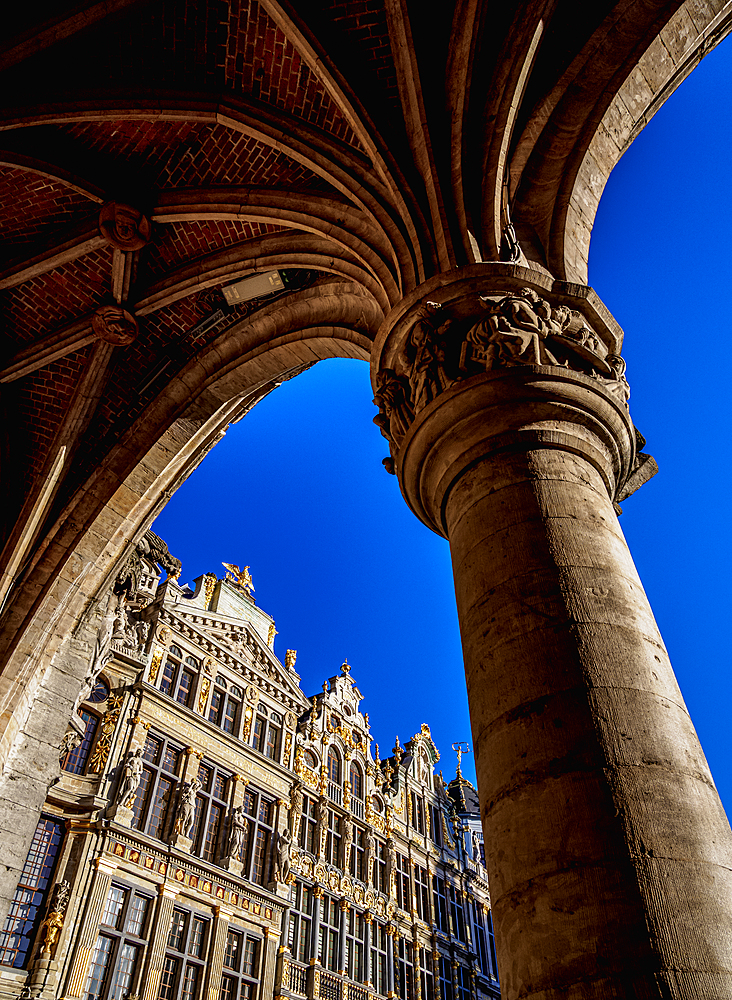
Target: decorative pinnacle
[[398, 751], [345, 667]]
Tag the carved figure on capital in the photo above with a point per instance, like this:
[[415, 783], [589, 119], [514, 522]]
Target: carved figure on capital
[[513, 332], [70, 742], [423, 357], [131, 777], [395, 409], [186, 811], [617, 385]]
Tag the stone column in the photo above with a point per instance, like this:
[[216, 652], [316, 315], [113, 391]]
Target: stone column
[[269, 962], [216, 961], [390, 932], [367, 921], [91, 919], [345, 910], [315, 924], [607, 848]]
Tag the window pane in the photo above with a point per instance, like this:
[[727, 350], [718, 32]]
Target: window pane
[[212, 833], [260, 873], [230, 715], [250, 956], [228, 988], [198, 936], [232, 956], [185, 687], [99, 967], [168, 978], [219, 789], [170, 762], [153, 746], [125, 971], [139, 803], [177, 930], [190, 983], [159, 807], [136, 915], [113, 906], [166, 681]]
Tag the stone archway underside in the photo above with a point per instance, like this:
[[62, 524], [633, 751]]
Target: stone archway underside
[[153, 151]]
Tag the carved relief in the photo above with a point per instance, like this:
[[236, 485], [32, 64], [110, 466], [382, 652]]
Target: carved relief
[[516, 329], [124, 227], [115, 325], [203, 695]]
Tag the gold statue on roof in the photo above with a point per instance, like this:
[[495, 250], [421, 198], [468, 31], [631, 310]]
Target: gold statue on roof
[[240, 577]]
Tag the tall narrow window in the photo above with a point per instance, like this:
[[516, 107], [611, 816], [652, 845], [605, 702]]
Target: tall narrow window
[[446, 987], [378, 873], [378, 957], [403, 886], [184, 963], [335, 790], [417, 811], [22, 920], [354, 945], [426, 974], [241, 966], [75, 760], [455, 898], [298, 928], [154, 796], [308, 824], [404, 969], [358, 852], [208, 820], [225, 710], [421, 893], [334, 838], [329, 934], [357, 789], [463, 982], [117, 956], [439, 900], [436, 825], [255, 849], [267, 737]]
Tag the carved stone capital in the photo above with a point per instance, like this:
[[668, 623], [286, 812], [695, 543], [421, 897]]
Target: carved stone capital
[[496, 357], [124, 227]]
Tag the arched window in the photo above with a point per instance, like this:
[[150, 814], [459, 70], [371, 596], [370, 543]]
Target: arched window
[[100, 691], [356, 779], [334, 775]]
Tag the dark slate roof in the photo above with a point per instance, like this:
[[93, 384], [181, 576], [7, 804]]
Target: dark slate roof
[[464, 795]]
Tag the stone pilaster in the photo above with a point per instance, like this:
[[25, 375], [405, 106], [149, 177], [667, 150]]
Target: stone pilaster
[[390, 931], [315, 924], [216, 961], [606, 845], [345, 910], [269, 962], [368, 921], [158, 942], [91, 919]]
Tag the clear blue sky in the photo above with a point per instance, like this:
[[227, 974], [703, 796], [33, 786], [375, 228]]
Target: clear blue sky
[[297, 490]]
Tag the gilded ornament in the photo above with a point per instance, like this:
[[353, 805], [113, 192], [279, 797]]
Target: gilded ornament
[[288, 747], [209, 584], [290, 658], [247, 729], [271, 633], [157, 659], [241, 578], [104, 744], [203, 695]]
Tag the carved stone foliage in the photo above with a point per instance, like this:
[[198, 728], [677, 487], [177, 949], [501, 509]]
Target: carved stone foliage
[[104, 743], [505, 330], [124, 227], [115, 325]]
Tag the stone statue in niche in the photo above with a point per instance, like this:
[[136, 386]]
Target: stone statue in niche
[[284, 855], [131, 777], [115, 325], [186, 811], [346, 843], [422, 357], [237, 831], [390, 858], [124, 227]]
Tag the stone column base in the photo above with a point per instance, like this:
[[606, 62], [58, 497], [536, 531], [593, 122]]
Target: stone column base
[[232, 865], [180, 843]]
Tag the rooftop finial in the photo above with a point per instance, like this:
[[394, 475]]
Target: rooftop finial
[[345, 667], [460, 748]]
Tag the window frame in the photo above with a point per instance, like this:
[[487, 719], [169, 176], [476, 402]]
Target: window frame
[[76, 760], [147, 792], [207, 801], [245, 982], [183, 958], [119, 937], [256, 848]]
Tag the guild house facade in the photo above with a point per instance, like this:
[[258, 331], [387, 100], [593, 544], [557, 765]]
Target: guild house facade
[[214, 832]]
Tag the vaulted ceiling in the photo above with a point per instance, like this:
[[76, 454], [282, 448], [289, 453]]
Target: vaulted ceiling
[[358, 146]]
